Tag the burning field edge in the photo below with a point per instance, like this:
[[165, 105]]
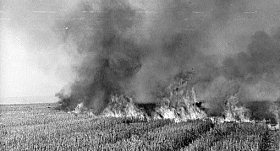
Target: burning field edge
[[180, 103]]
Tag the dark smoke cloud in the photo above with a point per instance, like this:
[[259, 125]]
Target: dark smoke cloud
[[181, 33], [252, 75], [262, 110], [117, 58], [112, 56], [137, 50], [258, 67]]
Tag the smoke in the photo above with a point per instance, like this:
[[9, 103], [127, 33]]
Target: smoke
[[257, 68], [261, 110], [111, 55], [137, 48], [120, 58], [252, 75], [181, 32]]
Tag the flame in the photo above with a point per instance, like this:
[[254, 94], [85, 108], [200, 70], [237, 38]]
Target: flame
[[122, 106], [184, 108], [235, 113]]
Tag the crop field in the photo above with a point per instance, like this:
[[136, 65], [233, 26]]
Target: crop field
[[40, 127]]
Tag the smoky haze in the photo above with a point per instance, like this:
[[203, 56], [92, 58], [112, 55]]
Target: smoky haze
[[137, 48]]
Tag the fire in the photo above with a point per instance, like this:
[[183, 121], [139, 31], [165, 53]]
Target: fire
[[184, 109], [179, 105], [122, 106], [235, 113], [115, 56]]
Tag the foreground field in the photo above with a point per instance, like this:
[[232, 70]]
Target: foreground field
[[39, 127]]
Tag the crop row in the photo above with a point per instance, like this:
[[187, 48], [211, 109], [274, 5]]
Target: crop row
[[236, 136], [89, 133], [169, 137]]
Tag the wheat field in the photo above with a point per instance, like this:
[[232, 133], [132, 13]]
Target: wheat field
[[40, 127]]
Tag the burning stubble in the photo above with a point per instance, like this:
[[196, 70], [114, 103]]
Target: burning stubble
[[136, 50]]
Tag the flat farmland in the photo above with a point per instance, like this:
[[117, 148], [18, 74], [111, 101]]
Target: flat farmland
[[40, 127]]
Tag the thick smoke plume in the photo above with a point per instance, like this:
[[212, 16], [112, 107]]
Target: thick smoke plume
[[258, 67], [112, 56], [251, 75], [137, 49], [122, 58]]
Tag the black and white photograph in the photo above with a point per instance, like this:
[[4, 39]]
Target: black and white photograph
[[139, 75]]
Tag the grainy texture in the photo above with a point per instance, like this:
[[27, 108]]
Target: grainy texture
[[39, 127]]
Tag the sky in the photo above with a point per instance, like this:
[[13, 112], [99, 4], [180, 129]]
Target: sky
[[31, 63], [36, 62], [20, 76]]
